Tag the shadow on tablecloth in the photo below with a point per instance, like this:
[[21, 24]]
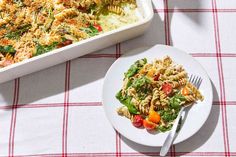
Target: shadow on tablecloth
[[48, 85]]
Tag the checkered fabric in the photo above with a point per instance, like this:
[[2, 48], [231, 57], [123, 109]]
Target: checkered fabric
[[58, 111]]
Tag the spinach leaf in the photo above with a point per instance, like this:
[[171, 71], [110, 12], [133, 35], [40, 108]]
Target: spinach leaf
[[176, 100], [50, 19], [7, 49], [41, 49], [91, 30], [16, 34], [140, 82], [142, 87], [164, 128], [129, 83], [168, 115], [134, 68], [127, 102]]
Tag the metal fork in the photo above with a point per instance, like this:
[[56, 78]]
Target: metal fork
[[196, 81]]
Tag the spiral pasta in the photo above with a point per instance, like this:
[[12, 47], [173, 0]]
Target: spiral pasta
[[178, 76], [144, 106], [163, 98], [32, 27], [157, 89], [179, 83], [115, 9], [123, 111]]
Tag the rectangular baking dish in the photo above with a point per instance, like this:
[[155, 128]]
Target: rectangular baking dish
[[82, 47]]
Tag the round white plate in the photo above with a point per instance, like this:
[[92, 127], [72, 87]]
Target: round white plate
[[196, 116]]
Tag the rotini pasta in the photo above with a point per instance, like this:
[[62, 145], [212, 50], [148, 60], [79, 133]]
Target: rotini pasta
[[32, 27], [155, 92], [115, 9]]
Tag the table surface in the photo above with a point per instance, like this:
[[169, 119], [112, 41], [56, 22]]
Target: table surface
[[58, 111]]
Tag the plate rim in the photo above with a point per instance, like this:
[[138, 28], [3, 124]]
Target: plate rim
[[144, 48]]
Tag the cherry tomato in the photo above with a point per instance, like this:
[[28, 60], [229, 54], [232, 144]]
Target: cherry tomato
[[167, 88], [154, 117], [98, 27], [185, 91], [149, 125], [64, 43], [82, 9], [156, 78], [138, 121]]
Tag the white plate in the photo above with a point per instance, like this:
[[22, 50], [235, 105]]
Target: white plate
[[197, 115]]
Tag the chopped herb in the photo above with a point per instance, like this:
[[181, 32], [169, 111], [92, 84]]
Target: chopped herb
[[41, 49], [7, 49], [91, 30], [50, 20], [16, 34]]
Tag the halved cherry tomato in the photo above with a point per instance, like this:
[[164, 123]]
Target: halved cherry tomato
[[64, 43], [149, 125], [82, 9], [138, 121], [98, 27], [156, 77], [185, 91], [154, 117], [167, 88]]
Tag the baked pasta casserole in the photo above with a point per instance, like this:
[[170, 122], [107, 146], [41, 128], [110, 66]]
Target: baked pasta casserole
[[30, 28]]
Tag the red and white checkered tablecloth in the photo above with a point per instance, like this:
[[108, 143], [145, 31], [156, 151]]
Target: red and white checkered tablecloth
[[58, 111]]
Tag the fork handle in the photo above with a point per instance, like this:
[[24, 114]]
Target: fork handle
[[171, 136]]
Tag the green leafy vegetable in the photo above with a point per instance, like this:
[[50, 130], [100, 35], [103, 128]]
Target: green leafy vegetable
[[92, 9], [140, 82], [41, 49], [3, 26], [164, 128], [91, 30], [135, 67], [127, 102], [63, 39], [7, 49], [50, 19], [129, 83], [16, 34], [168, 115], [142, 86], [176, 101]]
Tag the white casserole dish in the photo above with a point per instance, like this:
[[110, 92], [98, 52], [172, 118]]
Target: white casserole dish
[[81, 48]]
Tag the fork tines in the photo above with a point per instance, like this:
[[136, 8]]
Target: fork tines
[[195, 80]]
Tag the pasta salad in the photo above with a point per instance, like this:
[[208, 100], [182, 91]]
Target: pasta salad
[[30, 28], [153, 93]]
